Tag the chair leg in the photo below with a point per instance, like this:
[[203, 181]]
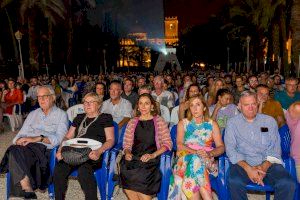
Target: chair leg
[[111, 182], [268, 194], [7, 185]]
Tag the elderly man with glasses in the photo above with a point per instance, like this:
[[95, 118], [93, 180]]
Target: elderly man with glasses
[[27, 159]]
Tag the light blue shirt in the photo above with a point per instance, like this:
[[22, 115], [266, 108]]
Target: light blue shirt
[[118, 111], [54, 126], [246, 140]]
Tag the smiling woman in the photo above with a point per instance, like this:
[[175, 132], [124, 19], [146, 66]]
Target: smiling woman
[[146, 137], [92, 125]]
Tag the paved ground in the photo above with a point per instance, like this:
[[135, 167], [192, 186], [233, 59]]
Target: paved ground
[[74, 190]]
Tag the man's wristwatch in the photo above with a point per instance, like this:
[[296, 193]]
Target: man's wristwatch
[[42, 138]]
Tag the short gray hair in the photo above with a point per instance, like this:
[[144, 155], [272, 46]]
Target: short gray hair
[[248, 93], [50, 90]]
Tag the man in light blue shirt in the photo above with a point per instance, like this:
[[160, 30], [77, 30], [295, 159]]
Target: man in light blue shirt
[[27, 160], [253, 147], [119, 108]]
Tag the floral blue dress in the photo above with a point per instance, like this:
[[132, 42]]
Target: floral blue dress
[[190, 171]]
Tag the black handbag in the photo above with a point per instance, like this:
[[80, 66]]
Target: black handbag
[[75, 156]]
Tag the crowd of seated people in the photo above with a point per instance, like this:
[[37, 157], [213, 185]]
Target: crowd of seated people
[[248, 107]]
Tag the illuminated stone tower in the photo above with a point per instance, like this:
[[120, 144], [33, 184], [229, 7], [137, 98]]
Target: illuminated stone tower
[[168, 56], [171, 31]]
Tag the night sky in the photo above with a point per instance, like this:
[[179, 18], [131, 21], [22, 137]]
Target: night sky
[[127, 16], [192, 12]]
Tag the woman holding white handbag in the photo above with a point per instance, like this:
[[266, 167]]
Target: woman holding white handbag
[[90, 125]]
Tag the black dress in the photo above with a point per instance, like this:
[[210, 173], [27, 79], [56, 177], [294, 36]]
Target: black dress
[[135, 174]]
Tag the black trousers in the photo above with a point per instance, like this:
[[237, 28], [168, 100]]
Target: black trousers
[[86, 179]]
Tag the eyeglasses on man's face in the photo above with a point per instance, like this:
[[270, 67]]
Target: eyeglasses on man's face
[[43, 97]]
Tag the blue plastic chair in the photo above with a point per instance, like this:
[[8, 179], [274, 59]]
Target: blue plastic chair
[[50, 187], [289, 165], [112, 163]]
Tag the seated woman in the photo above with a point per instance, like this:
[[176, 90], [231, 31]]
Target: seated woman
[[223, 109], [146, 137], [212, 93], [100, 90], [12, 96], [183, 106], [195, 136], [93, 125]]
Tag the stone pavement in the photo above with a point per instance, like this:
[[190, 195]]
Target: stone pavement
[[74, 190]]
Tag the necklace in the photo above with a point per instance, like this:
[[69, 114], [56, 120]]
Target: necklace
[[84, 127]]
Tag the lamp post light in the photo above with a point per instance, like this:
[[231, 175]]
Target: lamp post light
[[248, 53], [18, 36]]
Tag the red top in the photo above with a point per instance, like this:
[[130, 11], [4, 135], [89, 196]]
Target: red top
[[15, 96]]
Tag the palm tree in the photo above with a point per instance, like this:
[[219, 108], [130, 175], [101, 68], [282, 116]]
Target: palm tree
[[259, 21], [29, 11], [75, 12], [295, 26]]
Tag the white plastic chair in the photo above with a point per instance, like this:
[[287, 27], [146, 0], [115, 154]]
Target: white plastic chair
[[15, 119], [165, 113], [73, 111], [174, 116]]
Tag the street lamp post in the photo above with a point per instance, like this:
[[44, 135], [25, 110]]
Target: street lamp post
[[248, 53], [18, 36]]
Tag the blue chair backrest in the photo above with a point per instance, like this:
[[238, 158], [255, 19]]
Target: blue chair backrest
[[116, 132], [119, 144], [285, 140], [174, 137]]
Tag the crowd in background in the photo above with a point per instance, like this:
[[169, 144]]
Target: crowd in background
[[119, 94]]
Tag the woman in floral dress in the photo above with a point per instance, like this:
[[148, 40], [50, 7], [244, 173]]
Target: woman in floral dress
[[195, 155]]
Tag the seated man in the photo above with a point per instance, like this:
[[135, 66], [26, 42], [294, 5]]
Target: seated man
[[289, 95], [128, 93], [27, 159], [160, 95], [119, 108], [252, 145], [268, 106]]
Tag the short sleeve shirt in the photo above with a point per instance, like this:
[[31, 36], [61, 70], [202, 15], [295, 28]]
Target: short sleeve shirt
[[96, 130]]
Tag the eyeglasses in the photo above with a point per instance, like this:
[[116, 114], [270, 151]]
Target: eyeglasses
[[293, 85], [88, 102], [43, 97]]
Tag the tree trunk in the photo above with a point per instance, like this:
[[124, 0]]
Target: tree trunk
[[295, 26], [284, 38], [50, 40], [70, 40], [12, 34], [33, 51]]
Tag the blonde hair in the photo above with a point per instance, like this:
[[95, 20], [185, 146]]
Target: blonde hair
[[93, 95], [205, 108]]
